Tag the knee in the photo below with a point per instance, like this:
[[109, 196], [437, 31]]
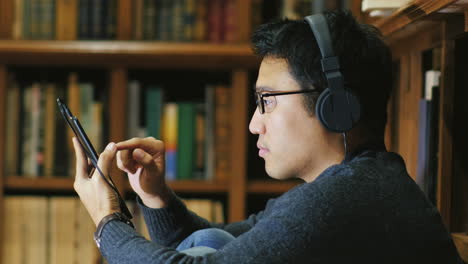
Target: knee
[[212, 237], [209, 233]]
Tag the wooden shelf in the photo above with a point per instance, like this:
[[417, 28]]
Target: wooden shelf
[[199, 186], [270, 186], [18, 183], [461, 241], [416, 11], [128, 53], [38, 184]]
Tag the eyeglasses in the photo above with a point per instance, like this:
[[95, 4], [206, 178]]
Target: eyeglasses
[[266, 102]]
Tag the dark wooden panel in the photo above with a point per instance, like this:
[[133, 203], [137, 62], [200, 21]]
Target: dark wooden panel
[[3, 93], [237, 186]]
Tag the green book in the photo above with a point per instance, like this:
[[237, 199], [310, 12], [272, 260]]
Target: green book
[[186, 141], [153, 111]]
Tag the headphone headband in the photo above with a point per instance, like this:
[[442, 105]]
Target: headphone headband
[[330, 62], [336, 108]]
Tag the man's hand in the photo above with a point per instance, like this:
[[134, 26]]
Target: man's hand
[[98, 198], [144, 162]]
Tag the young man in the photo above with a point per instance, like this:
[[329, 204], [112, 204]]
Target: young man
[[357, 205]]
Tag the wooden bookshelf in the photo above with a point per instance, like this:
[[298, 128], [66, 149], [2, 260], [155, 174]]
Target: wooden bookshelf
[[56, 183], [128, 53], [410, 31]]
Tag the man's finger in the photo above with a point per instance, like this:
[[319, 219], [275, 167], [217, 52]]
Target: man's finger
[[144, 159], [126, 164], [149, 145], [81, 160]]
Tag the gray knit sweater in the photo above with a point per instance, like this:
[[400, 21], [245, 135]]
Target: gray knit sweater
[[365, 210]]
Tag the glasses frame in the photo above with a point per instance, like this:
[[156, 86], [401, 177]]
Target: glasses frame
[[259, 97]]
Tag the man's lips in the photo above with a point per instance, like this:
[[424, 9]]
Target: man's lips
[[262, 151]]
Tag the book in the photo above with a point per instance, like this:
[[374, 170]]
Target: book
[[209, 132], [66, 24], [26, 134], [14, 235], [186, 141], [73, 102], [201, 16], [62, 223], [215, 21], [138, 20], [149, 19], [229, 24], [369, 5], [35, 248], [50, 130], [18, 20], [85, 250], [83, 19], [12, 127], [200, 141], [426, 170], [169, 136], [47, 17], [154, 110]]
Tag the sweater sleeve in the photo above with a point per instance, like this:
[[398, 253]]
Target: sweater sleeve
[[270, 241], [170, 225]]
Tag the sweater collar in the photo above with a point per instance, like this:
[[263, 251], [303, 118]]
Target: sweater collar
[[368, 149]]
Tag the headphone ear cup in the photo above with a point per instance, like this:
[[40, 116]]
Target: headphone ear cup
[[338, 111]]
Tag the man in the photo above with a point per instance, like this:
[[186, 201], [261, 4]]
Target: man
[[357, 205]]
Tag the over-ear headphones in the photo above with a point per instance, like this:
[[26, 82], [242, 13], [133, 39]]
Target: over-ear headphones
[[337, 108]]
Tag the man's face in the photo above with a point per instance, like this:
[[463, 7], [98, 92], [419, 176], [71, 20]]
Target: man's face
[[290, 139]]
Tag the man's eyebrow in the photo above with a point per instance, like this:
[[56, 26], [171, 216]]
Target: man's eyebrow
[[263, 88]]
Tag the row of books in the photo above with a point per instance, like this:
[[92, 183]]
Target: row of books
[[426, 170], [162, 20], [192, 131], [40, 229], [65, 19], [297, 9], [38, 141], [185, 20]]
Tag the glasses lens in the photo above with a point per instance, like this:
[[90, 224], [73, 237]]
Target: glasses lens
[[258, 102], [269, 103]]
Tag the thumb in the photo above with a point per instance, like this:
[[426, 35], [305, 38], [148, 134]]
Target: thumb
[[145, 160]]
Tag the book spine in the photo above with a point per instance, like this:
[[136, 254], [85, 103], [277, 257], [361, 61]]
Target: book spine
[[215, 20], [138, 20], [189, 20], [12, 127], [18, 20], [209, 132], [83, 28], [200, 27], [154, 111], [170, 139], [47, 19], [200, 141], [67, 14], [186, 141], [229, 22], [49, 130]]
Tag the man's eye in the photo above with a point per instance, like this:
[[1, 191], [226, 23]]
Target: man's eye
[[267, 101]]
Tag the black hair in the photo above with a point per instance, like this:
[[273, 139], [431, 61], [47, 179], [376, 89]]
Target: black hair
[[364, 58]]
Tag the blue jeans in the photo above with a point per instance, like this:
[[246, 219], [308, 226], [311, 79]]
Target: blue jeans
[[204, 241]]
